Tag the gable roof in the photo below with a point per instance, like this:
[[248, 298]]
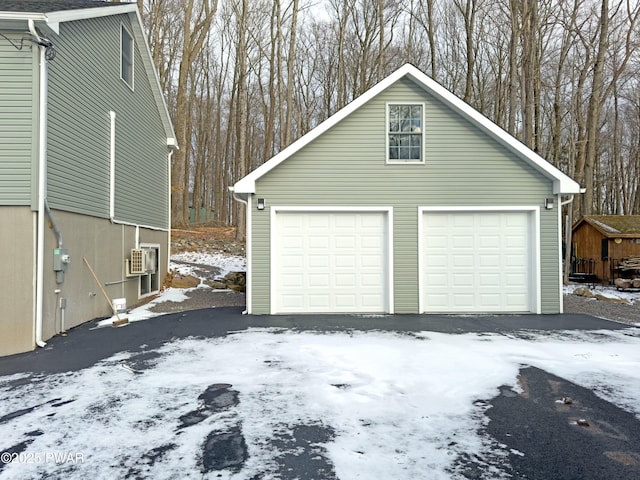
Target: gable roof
[[613, 226], [562, 184], [51, 13]]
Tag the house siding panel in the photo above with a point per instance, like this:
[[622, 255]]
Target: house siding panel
[[17, 117], [346, 167], [85, 86]]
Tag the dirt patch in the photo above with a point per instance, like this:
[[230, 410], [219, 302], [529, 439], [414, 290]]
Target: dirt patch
[[207, 239]]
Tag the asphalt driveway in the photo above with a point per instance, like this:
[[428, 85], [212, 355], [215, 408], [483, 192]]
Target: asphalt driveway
[[531, 430]]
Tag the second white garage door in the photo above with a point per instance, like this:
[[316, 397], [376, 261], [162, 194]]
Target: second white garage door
[[477, 262], [330, 262]]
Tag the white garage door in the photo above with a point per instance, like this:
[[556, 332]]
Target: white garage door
[[330, 262], [477, 262]]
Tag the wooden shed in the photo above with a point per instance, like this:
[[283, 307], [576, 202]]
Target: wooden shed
[[601, 242]]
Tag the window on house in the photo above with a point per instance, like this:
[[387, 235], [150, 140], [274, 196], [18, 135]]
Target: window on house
[[405, 133], [150, 283], [126, 57]]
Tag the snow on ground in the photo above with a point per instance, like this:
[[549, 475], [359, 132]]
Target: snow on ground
[[189, 262], [401, 406], [605, 290], [226, 263]]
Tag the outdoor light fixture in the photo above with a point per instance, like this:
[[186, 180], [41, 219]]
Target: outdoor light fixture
[[261, 204], [548, 203]]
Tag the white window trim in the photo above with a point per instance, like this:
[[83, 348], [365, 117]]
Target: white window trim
[[151, 292], [123, 28], [388, 211], [386, 136], [535, 304]]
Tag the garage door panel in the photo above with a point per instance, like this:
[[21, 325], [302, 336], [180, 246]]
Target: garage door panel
[[345, 280], [315, 280], [316, 301], [371, 280], [345, 261], [291, 301], [476, 261], [292, 261], [340, 261], [316, 241], [462, 261], [291, 280], [315, 261], [487, 261]]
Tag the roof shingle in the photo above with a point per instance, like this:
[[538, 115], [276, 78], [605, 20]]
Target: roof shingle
[[46, 6], [614, 225]]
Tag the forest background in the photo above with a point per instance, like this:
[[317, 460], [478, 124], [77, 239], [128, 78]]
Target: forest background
[[245, 78]]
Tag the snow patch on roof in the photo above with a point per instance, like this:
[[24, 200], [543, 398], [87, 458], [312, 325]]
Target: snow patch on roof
[[606, 227]]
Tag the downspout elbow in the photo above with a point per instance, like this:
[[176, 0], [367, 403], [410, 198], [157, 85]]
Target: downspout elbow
[[56, 230], [568, 201]]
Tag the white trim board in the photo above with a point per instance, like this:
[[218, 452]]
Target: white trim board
[[535, 274]]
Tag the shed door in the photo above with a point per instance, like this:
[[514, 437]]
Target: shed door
[[477, 262], [330, 262]]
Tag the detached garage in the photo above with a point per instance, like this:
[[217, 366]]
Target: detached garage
[[405, 201]]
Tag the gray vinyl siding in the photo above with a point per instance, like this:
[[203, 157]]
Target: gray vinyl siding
[[18, 96], [346, 167], [85, 85]]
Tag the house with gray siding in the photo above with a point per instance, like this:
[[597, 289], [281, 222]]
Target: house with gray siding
[[85, 148], [405, 201]]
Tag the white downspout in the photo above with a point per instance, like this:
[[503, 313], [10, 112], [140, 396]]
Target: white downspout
[[169, 158], [246, 199], [112, 166], [567, 233], [42, 184]]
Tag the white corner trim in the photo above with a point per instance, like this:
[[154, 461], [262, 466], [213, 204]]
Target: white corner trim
[[315, 208], [536, 272], [249, 255], [562, 184], [560, 256]]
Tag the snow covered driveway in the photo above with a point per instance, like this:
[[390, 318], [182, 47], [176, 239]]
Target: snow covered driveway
[[272, 403]]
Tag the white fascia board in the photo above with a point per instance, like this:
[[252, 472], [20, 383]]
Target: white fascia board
[[62, 16], [22, 16], [152, 76], [562, 184]]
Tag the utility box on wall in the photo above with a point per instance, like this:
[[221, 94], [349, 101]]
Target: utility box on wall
[[61, 259]]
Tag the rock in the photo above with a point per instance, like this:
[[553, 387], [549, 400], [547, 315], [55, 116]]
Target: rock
[[583, 292], [611, 299], [636, 283], [184, 281], [217, 285], [236, 278], [237, 288]]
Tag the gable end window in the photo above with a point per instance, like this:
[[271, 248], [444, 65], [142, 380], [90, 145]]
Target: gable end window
[[405, 133], [126, 56]]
